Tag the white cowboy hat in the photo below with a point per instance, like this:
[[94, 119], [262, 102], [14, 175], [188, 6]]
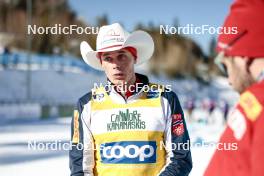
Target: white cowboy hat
[[114, 37]]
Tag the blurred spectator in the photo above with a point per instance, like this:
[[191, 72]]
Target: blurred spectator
[[190, 106], [15, 60], [210, 109], [211, 106], [225, 111], [6, 57]]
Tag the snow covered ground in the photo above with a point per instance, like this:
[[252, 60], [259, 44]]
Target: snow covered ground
[[19, 157], [47, 86]]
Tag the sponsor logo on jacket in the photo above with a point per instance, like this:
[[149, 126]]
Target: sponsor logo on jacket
[[132, 152]]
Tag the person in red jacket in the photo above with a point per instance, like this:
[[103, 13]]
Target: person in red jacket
[[241, 54]]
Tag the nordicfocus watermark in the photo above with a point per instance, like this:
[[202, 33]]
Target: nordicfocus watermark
[[59, 29], [49, 145], [135, 87], [187, 145], [148, 145], [197, 30]]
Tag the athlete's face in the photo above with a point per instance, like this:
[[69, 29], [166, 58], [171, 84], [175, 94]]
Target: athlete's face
[[238, 74], [118, 66]]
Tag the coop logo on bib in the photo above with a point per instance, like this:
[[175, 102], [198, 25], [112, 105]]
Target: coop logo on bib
[[132, 152]]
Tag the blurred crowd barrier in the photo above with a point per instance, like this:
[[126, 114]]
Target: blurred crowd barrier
[[33, 111], [38, 61]]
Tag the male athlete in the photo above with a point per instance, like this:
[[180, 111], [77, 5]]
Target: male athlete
[[136, 128]]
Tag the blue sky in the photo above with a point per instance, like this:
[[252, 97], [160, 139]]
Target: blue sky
[[130, 13]]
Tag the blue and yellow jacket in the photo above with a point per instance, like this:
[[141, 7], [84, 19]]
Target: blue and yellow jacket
[[143, 135]]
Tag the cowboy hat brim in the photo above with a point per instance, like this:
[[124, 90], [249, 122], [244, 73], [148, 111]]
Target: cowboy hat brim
[[140, 40]]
